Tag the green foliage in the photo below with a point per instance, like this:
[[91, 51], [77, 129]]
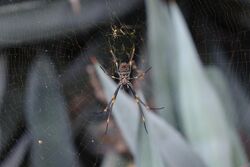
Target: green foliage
[[4, 134], [113, 160], [3, 71], [222, 88], [160, 48], [196, 129], [199, 107]]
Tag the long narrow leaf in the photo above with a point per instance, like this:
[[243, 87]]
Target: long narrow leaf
[[201, 110], [113, 160], [18, 153], [178, 70], [222, 88], [47, 119], [3, 75], [160, 44], [22, 26]]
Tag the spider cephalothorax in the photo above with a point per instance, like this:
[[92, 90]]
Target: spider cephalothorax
[[124, 68], [124, 72]]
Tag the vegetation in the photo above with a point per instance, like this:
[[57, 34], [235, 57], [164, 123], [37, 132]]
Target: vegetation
[[52, 95]]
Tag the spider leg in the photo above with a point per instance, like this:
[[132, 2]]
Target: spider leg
[[122, 32], [143, 103], [115, 60], [131, 57], [112, 76], [140, 107], [142, 74], [110, 106]]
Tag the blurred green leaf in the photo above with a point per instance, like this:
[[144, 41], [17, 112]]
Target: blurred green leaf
[[160, 44], [11, 118], [112, 159], [3, 75], [19, 21], [18, 152], [47, 118], [165, 146], [221, 86], [201, 112]]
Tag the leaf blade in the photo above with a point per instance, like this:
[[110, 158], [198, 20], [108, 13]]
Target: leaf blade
[[47, 119]]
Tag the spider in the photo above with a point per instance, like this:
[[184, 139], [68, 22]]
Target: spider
[[124, 72]]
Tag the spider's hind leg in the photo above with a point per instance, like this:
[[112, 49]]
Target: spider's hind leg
[[139, 102], [137, 99], [110, 106], [142, 117]]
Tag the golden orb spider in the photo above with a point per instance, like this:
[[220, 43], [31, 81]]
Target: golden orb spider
[[124, 72]]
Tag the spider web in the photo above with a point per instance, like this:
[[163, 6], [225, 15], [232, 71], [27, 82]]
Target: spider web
[[120, 35], [71, 53]]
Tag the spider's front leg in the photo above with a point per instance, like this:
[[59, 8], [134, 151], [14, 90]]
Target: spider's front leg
[[115, 60], [110, 106], [131, 58], [137, 99], [142, 74], [112, 76]]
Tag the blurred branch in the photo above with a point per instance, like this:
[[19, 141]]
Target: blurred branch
[[17, 154], [57, 19], [21, 6]]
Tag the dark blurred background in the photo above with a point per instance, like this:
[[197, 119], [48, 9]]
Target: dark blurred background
[[69, 32]]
